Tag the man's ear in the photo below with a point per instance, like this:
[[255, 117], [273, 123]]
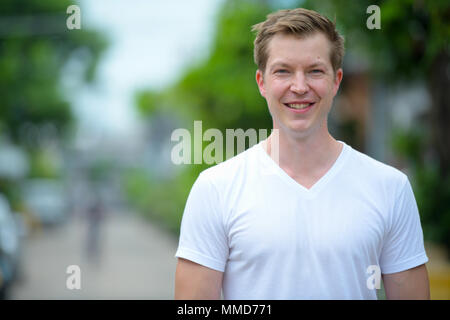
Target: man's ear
[[260, 82], [338, 79]]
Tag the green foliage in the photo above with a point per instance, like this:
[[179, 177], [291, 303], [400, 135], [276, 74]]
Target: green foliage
[[44, 165], [433, 197], [146, 102], [222, 91], [412, 33], [99, 170], [162, 201], [431, 189], [35, 45], [409, 144], [137, 187]]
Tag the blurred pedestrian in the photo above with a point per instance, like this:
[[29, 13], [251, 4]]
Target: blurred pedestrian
[[95, 217]]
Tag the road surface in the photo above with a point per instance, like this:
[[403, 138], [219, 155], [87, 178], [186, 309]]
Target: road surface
[[136, 261]]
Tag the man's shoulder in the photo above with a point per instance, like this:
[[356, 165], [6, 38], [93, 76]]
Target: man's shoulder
[[364, 166]]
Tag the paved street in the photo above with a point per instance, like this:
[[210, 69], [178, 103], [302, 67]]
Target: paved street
[[137, 262]]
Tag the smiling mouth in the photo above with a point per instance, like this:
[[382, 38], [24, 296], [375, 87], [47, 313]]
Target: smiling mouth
[[296, 106]]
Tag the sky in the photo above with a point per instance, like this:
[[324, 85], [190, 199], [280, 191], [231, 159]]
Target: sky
[[151, 41]]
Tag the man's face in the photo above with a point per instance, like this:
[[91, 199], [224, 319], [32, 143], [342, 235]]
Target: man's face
[[299, 83]]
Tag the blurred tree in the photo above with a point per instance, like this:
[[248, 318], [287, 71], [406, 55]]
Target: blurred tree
[[35, 48], [35, 45], [220, 91]]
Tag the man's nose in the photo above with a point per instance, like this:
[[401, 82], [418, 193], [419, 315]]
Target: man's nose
[[299, 84]]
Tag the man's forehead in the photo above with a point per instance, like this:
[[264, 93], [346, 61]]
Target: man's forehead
[[282, 49], [318, 36]]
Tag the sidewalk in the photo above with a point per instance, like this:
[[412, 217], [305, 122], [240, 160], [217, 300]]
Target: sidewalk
[[137, 262]]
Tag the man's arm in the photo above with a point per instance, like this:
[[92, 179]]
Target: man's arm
[[411, 284], [194, 281]]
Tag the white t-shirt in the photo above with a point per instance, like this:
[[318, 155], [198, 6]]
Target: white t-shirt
[[275, 239]]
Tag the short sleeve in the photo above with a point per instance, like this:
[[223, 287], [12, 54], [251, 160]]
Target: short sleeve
[[202, 234], [403, 246]]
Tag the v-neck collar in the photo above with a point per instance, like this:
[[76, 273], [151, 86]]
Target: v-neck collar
[[319, 184]]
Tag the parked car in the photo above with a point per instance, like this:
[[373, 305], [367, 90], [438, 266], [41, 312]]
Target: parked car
[[47, 200], [11, 233]]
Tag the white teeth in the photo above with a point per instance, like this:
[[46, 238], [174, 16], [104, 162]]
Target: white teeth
[[299, 106]]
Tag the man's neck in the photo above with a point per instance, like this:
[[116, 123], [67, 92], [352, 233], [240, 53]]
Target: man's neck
[[305, 159]]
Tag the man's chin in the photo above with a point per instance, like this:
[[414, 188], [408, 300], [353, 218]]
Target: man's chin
[[297, 130]]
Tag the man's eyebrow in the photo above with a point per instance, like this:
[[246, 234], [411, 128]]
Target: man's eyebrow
[[286, 65], [279, 64], [317, 64]]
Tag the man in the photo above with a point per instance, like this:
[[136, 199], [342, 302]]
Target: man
[[318, 222]]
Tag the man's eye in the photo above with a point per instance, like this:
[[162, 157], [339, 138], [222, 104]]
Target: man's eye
[[317, 71], [281, 71]]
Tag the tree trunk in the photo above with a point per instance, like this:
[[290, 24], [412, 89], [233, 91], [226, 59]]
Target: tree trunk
[[439, 89]]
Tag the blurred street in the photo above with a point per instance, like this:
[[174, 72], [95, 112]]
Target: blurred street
[[136, 261]]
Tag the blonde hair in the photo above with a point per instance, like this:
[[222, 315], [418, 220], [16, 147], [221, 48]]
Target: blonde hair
[[299, 22]]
